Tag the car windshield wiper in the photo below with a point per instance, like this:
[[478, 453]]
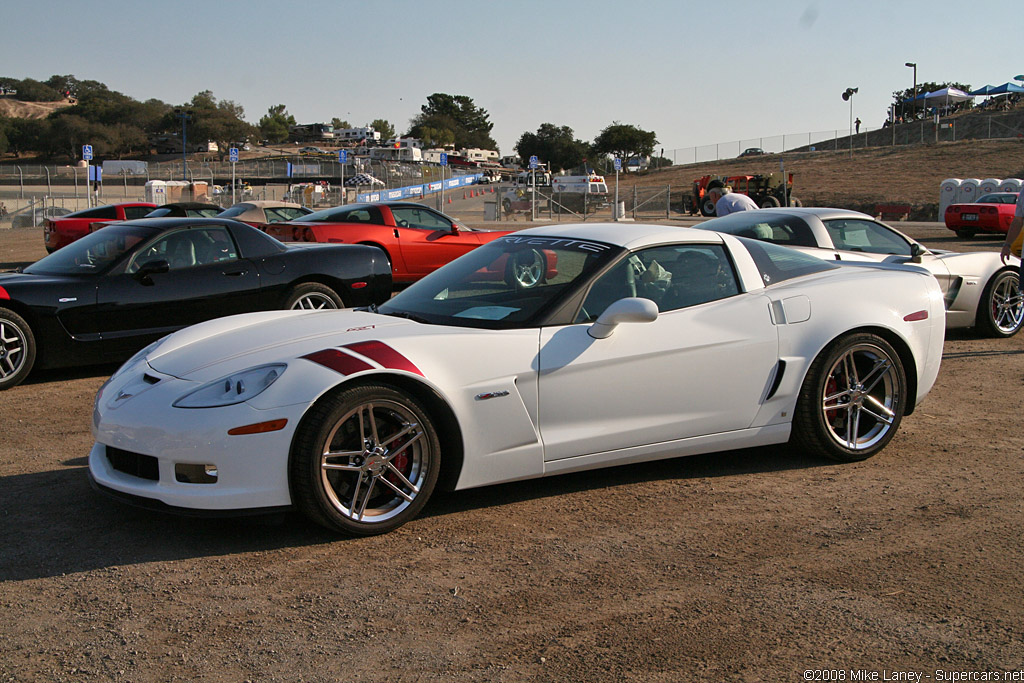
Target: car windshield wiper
[[406, 315]]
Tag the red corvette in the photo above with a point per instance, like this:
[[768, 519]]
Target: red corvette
[[991, 213], [416, 238], [58, 232]]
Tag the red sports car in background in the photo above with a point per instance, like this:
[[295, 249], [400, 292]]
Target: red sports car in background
[[416, 238], [58, 232], [991, 213]]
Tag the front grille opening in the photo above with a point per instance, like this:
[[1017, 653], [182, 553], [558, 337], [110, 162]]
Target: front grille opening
[[135, 464], [188, 473]]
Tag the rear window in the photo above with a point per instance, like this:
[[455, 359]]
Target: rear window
[[777, 264], [98, 213], [790, 231], [356, 214]]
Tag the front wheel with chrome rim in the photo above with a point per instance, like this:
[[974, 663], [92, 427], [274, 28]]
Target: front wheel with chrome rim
[[852, 400], [17, 349], [1001, 309], [365, 460]]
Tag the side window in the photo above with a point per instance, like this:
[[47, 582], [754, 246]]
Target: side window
[[133, 212], [673, 277], [188, 248], [413, 217], [854, 234]]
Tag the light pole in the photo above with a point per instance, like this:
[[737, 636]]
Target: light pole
[[184, 115], [848, 95], [913, 102]]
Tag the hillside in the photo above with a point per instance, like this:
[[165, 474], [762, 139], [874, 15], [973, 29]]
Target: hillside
[[16, 109], [908, 174]]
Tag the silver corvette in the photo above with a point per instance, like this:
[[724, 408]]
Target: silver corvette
[[979, 290]]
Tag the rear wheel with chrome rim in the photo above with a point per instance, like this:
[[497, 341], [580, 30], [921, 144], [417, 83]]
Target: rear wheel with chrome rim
[[1001, 309], [853, 399], [365, 460], [312, 296], [17, 349]]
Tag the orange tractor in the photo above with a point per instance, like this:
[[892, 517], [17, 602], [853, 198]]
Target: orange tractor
[[767, 190]]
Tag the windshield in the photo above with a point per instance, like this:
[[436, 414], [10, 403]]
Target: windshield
[[512, 282], [94, 252]]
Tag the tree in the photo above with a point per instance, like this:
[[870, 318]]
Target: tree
[[340, 124], [219, 122], [274, 125], [384, 127], [554, 145], [625, 141], [453, 117]]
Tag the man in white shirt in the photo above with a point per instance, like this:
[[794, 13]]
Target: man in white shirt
[[731, 202]]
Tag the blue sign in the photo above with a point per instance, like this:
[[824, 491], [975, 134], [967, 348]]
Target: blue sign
[[342, 156], [618, 164], [95, 174], [87, 152], [533, 161], [444, 159], [233, 154]]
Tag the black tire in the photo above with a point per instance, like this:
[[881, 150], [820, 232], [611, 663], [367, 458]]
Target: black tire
[[17, 349], [852, 400], [793, 201], [506, 204], [312, 296], [346, 473], [966, 233], [770, 202], [707, 207], [525, 269], [1000, 307]]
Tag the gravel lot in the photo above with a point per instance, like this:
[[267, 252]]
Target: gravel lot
[[753, 565]]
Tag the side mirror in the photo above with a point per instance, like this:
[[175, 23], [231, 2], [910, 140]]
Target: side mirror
[[916, 251], [630, 310], [455, 228], [150, 268]]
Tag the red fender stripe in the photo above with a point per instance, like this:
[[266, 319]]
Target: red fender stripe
[[379, 352], [339, 361], [4, 294]]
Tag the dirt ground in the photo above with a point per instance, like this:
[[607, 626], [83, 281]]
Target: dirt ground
[[756, 565]]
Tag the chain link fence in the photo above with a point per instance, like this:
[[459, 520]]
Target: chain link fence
[[949, 129]]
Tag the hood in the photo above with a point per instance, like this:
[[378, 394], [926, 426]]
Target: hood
[[12, 281], [225, 345]]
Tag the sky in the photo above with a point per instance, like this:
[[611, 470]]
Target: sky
[[739, 71]]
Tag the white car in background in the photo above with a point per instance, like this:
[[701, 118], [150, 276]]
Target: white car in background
[[979, 290], [631, 343]]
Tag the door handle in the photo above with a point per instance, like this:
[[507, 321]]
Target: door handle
[[396, 232], [235, 273]]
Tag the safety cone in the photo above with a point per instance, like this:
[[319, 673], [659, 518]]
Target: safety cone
[[449, 199]]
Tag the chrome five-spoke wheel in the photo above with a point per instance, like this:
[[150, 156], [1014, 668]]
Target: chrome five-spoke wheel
[[369, 459], [853, 399]]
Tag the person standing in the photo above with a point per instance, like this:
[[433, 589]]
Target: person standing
[[731, 202], [1012, 234], [857, 123]]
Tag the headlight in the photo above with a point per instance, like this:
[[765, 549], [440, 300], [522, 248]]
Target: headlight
[[232, 389]]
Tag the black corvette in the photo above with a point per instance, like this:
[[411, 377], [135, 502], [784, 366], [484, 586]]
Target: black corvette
[[111, 293]]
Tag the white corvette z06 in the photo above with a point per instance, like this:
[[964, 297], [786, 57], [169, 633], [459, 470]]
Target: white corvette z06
[[549, 350]]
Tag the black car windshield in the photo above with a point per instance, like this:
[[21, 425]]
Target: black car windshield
[[512, 282], [94, 252]]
